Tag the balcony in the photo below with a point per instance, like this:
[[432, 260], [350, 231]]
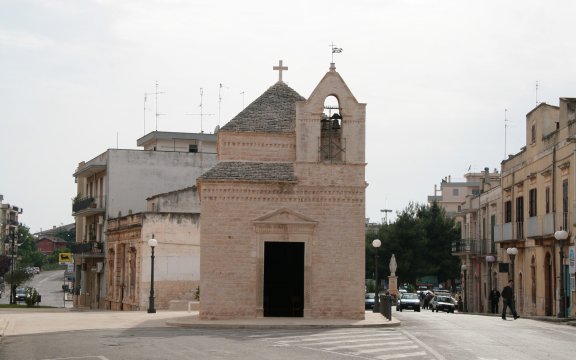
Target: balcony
[[539, 226], [90, 248], [88, 206], [466, 246]]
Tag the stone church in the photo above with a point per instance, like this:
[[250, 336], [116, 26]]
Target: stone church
[[283, 211]]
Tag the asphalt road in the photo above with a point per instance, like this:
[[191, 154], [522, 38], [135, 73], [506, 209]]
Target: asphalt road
[[49, 285], [424, 335]]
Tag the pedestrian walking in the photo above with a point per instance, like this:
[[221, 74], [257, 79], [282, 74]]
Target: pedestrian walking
[[508, 300], [494, 300]]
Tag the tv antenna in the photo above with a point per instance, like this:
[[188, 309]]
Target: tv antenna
[[242, 93], [156, 93], [220, 86], [506, 121], [536, 92], [201, 106]]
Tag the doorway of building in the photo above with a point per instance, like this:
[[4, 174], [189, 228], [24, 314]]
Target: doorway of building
[[284, 279], [548, 284]]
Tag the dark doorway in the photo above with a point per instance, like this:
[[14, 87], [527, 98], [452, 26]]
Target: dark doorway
[[548, 281], [284, 279]]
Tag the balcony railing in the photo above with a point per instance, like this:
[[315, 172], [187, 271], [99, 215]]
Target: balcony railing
[[87, 248], [469, 246], [94, 204], [81, 204]]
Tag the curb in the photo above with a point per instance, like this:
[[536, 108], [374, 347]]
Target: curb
[[275, 326]]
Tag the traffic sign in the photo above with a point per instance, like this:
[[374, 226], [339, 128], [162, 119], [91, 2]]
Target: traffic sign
[[65, 258]]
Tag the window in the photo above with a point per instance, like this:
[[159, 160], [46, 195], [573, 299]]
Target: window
[[547, 200], [532, 208], [455, 192], [193, 148], [508, 211], [565, 204], [533, 134], [520, 208], [519, 217]]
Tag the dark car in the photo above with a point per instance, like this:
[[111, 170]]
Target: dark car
[[369, 301], [20, 294], [443, 303], [408, 301]]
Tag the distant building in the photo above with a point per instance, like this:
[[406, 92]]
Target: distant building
[[8, 224], [117, 183], [47, 244]]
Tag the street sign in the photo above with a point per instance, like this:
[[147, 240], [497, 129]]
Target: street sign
[[65, 258]]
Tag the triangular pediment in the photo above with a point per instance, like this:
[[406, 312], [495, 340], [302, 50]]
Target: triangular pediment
[[285, 216]]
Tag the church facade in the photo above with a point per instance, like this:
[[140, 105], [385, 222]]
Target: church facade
[[283, 211]]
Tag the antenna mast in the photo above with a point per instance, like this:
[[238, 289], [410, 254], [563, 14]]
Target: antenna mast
[[201, 110], [145, 98], [505, 127], [536, 92], [156, 99], [242, 93], [220, 100]]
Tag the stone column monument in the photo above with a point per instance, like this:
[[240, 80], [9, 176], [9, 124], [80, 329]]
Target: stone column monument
[[393, 279]]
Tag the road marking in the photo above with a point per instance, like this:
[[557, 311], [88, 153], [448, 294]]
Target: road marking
[[366, 345], [436, 354], [81, 357], [399, 356]]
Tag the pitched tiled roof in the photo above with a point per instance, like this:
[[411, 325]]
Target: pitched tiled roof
[[273, 111], [239, 170]]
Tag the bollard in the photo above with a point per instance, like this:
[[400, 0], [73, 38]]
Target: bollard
[[386, 306]]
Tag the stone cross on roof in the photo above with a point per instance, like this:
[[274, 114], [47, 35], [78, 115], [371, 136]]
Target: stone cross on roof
[[280, 68]]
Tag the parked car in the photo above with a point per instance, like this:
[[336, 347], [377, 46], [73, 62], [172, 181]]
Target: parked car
[[443, 303], [36, 270], [20, 294], [369, 301], [408, 301]]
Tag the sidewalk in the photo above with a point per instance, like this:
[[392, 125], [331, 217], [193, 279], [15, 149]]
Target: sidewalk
[[371, 320], [34, 321]]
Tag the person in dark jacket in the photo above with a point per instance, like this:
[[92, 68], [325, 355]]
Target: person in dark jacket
[[494, 300], [508, 300]]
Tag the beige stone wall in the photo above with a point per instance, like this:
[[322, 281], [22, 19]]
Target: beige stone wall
[[256, 147], [176, 265], [230, 246]]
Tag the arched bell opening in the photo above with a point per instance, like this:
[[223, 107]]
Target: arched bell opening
[[331, 140]]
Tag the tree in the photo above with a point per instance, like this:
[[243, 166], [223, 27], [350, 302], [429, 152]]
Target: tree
[[421, 240], [68, 235]]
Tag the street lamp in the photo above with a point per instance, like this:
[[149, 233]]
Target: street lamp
[[512, 254], [376, 243], [561, 235], [152, 243], [464, 268], [490, 260]]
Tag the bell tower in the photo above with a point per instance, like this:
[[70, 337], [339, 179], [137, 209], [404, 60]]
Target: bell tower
[[330, 125]]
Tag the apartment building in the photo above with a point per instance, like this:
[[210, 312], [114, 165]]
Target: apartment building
[[117, 183], [509, 230], [8, 225]]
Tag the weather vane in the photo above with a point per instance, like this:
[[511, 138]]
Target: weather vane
[[335, 50]]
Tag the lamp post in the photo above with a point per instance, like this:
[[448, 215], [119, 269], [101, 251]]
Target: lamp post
[[561, 235], [152, 243], [464, 268], [12, 240], [512, 254], [376, 243], [490, 260]]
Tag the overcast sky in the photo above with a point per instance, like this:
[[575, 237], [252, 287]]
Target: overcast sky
[[436, 77]]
